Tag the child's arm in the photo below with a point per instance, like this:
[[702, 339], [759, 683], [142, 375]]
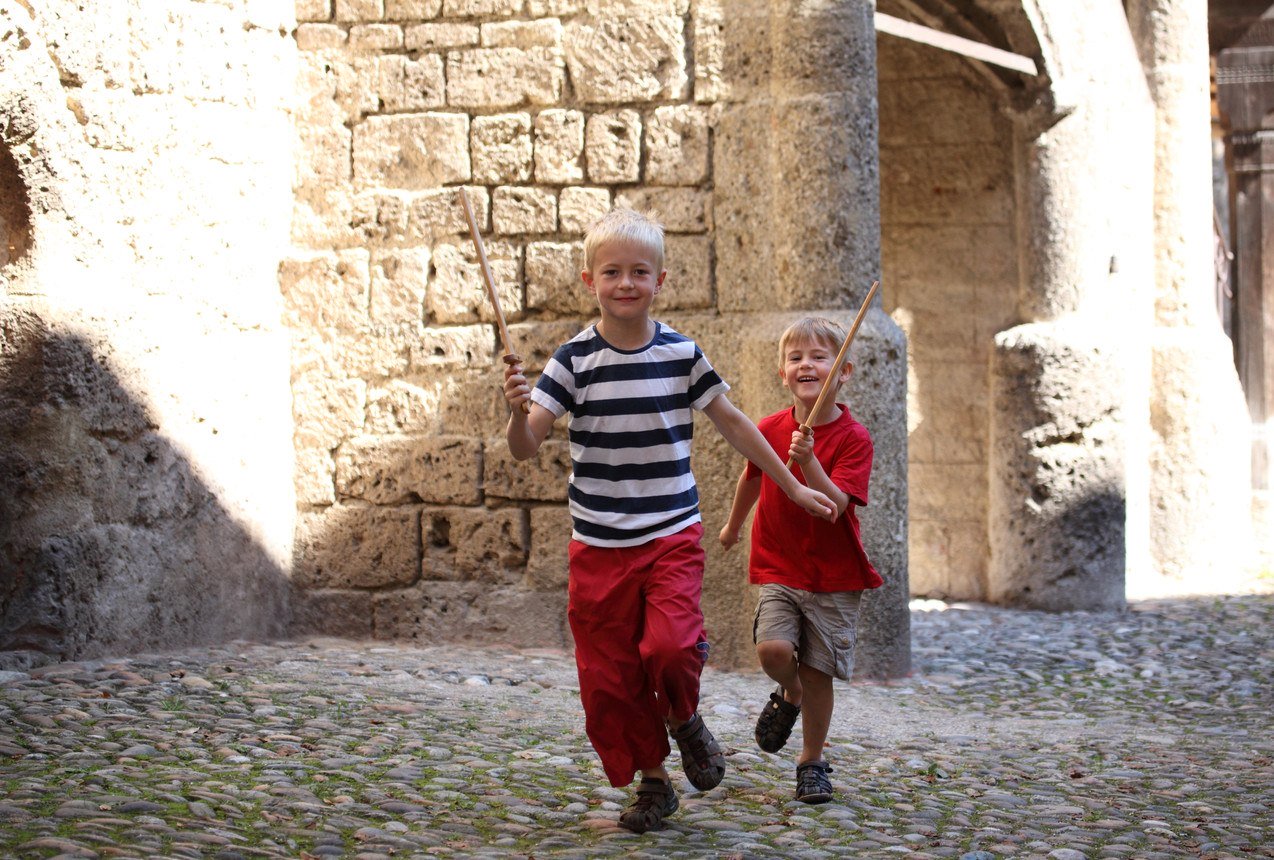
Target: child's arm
[[745, 495], [526, 431], [740, 432], [802, 453]]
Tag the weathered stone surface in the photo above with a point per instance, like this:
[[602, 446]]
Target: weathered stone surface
[[454, 347], [398, 285], [359, 10], [327, 289], [458, 293], [677, 146], [412, 10], [326, 409], [709, 50], [520, 209], [431, 37], [413, 151], [313, 10], [405, 84], [392, 470], [368, 352], [501, 148], [637, 57], [688, 284], [375, 37], [416, 217], [474, 612], [332, 612], [358, 547], [542, 478], [504, 77], [1057, 506], [680, 210], [474, 543], [559, 146], [547, 565], [314, 37], [536, 342], [546, 33], [612, 143], [474, 8], [553, 280], [578, 208], [403, 407], [315, 477]]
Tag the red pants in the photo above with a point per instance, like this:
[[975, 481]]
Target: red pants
[[639, 645]]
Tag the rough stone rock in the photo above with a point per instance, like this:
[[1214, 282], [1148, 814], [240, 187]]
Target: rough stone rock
[[474, 543], [559, 146], [677, 146], [327, 289], [519, 210], [547, 563], [504, 77], [680, 210], [430, 37], [398, 281], [553, 280], [358, 547], [612, 143], [458, 293], [412, 151], [578, 208], [637, 57], [391, 470], [501, 148], [542, 478]]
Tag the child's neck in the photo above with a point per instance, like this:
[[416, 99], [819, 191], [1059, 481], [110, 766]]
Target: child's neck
[[627, 334], [801, 412]]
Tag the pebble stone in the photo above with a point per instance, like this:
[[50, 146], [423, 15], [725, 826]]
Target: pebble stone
[[1147, 733]]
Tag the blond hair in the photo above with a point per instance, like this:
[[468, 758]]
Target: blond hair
[[813, 330], [625, 225]]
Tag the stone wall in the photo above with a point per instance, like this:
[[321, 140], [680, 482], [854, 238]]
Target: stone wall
[[414, 521], [949, 254], [145, 442]]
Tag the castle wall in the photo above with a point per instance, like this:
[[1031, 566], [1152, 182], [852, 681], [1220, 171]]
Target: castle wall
[[145, 444]]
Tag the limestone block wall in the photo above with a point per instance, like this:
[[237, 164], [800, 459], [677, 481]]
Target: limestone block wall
[[145, 439], [748, 128], [413, 519], [949, 256]]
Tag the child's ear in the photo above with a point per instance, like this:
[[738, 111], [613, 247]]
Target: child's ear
[[587, 277], [846, 369], [659, 282]]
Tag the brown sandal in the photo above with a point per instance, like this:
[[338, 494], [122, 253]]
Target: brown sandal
[[655, 800], [774, 726], [701, 755]]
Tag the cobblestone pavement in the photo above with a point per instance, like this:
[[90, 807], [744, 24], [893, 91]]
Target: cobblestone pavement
[[1141, 734]]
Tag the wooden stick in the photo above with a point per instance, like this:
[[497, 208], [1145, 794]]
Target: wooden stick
[[510, 357], [840, 360]]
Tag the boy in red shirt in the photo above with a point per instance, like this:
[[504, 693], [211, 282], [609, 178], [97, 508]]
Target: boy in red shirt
[[812, 573]]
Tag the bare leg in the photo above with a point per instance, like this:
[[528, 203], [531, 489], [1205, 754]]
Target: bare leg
[[816, 713], [778, 660], [658, 772]]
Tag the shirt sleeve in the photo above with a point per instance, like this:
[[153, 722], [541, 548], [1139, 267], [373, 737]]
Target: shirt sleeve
[[555, 390], [851, 470], [705, 384]]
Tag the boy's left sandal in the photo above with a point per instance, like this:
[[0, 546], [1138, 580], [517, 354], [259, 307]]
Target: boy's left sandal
[[774, 726], [655, 801], [701, 755]]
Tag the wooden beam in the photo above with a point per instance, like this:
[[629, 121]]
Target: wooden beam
[[947, 42]]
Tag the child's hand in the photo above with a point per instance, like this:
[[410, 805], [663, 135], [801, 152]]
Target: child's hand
[[729, 536], [516, 389], [802, 446], [815, 503]]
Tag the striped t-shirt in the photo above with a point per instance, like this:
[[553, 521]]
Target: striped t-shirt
[[630, 429]]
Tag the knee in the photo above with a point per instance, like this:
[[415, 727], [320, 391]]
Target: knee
[[775, 654]]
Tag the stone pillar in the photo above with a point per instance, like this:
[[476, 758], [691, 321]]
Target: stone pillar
[[1068, 391], [1200, 490], [796, 210]]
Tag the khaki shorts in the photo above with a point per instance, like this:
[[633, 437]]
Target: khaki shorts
[[822, 625]]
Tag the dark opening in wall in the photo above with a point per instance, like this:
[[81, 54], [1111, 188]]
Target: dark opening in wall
[[15, 211]]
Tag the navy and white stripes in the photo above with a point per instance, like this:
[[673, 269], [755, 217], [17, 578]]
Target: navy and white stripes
[[630, 429]]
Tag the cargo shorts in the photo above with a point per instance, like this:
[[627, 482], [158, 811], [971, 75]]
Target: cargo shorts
[[822, 625]]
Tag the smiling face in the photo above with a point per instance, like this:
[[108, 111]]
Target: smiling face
[[806, 364], [625, 278]]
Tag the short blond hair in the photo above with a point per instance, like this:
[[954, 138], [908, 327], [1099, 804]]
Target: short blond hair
[[812, 330], [625, 225]]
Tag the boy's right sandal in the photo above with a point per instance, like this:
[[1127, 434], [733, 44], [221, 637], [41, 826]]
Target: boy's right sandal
[[812, 784], [774, 726], [655, 800]]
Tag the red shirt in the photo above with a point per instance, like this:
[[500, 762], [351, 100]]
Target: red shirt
[[792, 548]]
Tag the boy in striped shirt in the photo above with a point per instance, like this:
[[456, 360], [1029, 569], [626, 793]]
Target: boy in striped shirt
[[630, 385]]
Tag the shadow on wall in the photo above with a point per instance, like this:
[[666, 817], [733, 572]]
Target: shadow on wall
[[109, 540]]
